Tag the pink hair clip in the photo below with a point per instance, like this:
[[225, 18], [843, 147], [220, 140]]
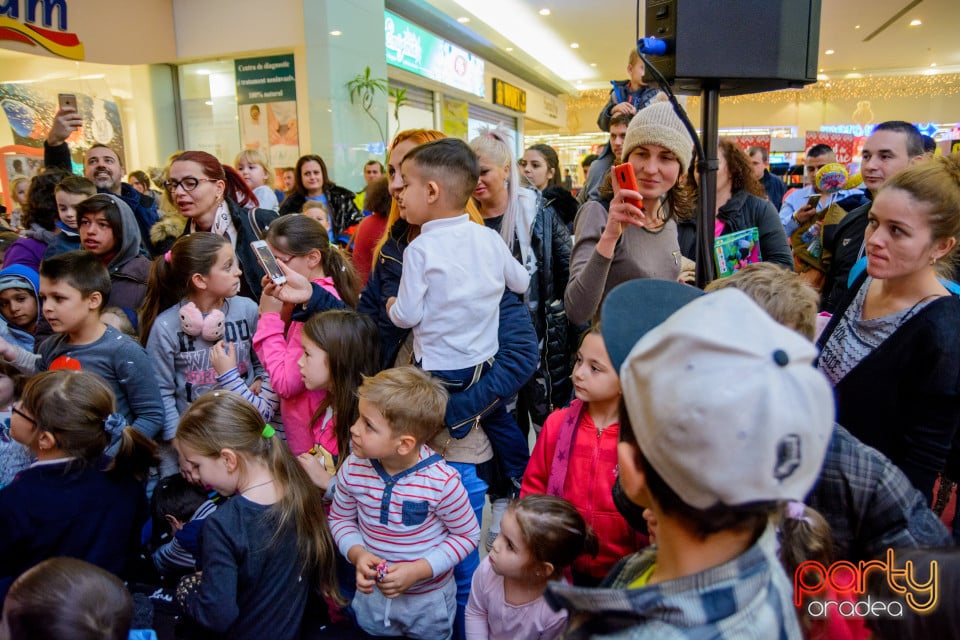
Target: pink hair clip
[[166, 256]]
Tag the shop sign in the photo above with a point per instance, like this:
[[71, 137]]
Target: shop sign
[[745, 142], [267, 107], [509, 96], [926, 128], [19, 23], [420, 52], [265, 79]]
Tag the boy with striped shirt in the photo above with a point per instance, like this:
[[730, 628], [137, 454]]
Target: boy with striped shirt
[[400, 514]]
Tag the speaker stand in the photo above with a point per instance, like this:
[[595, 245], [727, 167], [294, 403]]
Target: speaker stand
[[709, 127]]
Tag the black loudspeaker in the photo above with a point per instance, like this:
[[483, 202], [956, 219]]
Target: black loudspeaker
[[742, 46]]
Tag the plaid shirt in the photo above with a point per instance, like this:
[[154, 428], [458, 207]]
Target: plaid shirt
[[870, 504], [747, 597]]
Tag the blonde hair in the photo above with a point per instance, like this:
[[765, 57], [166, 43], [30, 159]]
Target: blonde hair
[[255, 156], [224, 420], [411, 400], [781, 293], [494, 144]]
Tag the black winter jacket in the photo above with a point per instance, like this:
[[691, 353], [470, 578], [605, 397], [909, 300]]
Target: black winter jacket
[[343, 211]]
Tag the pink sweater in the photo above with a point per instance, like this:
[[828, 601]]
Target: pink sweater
[[279, 356]]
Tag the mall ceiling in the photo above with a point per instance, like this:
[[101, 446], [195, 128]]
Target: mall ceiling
[[865, 36]]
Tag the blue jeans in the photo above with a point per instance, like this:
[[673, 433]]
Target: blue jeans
[[463, 572]]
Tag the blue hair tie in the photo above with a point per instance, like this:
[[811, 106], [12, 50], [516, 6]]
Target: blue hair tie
[[115, 424]]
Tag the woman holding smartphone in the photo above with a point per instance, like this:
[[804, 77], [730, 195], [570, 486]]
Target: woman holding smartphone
[[615, 239]]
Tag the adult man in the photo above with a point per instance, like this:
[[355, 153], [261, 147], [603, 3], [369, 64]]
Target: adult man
[[892, 147], [774, 186], [372, 171], [607, 158], [627, 96], [102, 166], [795, 210]]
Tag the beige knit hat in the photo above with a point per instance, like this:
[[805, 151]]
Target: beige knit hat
[[658, 124]]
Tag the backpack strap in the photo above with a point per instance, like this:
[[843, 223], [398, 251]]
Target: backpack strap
[[391, 481], [561, 455]]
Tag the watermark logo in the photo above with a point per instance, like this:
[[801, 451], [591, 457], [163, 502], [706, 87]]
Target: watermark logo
[[843, 578]]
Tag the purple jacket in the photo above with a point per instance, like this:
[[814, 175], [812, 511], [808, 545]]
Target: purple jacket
[[25, 251]]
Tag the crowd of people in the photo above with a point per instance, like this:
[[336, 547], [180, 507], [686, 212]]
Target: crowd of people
[[196, 447]]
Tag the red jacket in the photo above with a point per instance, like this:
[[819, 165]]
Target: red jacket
[[591, 473]]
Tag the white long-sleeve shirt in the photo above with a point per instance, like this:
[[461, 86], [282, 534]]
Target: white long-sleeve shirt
[[454, 274]]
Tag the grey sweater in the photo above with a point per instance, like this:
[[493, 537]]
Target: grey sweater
[[639, 254]]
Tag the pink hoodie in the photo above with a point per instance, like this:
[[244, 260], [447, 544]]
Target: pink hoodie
[[279, 356]]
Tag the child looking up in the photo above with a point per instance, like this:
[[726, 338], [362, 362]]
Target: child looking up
[[71, 502], [454, 274], [575, 458], [267, 548], [400, 514], [539, 537], [254, 168], [71, 191]]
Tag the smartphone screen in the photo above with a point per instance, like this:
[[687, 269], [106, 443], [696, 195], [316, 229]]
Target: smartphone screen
[[268, 261]]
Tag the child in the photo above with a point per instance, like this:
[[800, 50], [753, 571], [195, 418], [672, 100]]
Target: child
[[400, 514], [301, 244], [371, 228], [575, 458], [264, 550], [69, 503], [711, 466], [627, 96], [108, 229], [69, 193], [74, 286], [179, 510], [539, 537], [14, 457], [198, 331], [254, 167], [67, 599], [339, 348], [18, 189], [454, 274], [20, 307], [117, 318], [316, 210]]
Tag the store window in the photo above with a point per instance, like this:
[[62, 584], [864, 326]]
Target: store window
[[416, 111], [208, 99]]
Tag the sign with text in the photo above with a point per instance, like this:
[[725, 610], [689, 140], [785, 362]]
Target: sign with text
[[509, 96], [36, 26], [265, 79], [267, 107]]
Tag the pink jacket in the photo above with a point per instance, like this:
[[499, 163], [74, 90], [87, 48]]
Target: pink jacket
[[279, 356]]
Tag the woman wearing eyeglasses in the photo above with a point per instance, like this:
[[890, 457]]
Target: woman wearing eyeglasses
[[213, 197]]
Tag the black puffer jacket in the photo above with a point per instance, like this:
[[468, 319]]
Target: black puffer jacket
[[343, 211]]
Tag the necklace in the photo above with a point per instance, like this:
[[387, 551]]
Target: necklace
[[255, 486]]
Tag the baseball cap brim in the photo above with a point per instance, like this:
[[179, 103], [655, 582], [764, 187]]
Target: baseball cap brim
[[635, 307]]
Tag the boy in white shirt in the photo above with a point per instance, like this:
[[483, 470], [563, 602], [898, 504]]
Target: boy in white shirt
[[454, 274]]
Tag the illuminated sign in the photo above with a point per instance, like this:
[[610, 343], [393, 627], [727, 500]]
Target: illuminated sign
[[509, 96], [418, 51], [33, 31]]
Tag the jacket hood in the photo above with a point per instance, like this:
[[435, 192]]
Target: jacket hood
[[129, 242], [30, 277]]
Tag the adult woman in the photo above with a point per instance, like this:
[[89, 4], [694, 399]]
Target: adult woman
[[311, 182], [541, 168], [213, 197], [741, 204], [540, 241], [890, 349], [616, 240]]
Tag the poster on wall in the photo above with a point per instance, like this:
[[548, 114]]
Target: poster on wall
[[846, 146], [19, 162], [267, 107], [455, 116]]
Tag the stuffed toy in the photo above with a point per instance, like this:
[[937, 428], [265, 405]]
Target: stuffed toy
[[194, 324]]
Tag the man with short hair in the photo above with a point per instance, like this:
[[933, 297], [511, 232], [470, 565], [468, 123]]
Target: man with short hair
[[607, 158], [773, 185], [892, 147], [795, 211], [372, 171], [103, 166]]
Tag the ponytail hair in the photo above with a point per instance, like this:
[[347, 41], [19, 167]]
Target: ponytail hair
[[77, 407], [224, 420], [170, 274], [553, 530], [352, 343], [298, 235]]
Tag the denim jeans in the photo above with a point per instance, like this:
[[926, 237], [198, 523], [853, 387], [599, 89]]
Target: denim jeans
[[463, 572]]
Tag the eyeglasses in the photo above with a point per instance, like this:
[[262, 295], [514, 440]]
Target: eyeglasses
[[189, 184], [15, 409]]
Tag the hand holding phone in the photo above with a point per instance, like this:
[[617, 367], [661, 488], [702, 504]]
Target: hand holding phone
[[68, 101], [625, 179], [813, 200], [268, 261]]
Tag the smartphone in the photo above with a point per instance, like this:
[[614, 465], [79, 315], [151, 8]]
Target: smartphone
[[268, 261], [813, 200], [623, 174], [67, 101]]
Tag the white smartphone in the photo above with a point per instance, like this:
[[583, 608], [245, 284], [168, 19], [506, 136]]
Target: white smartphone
[[67, 101], [268, 261]]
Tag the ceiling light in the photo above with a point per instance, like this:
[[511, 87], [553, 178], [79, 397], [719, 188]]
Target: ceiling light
[[463, 19], [336, 33], [593, 64], [203, 72], [933, 64], [821, 70], [829, 52], [209, 103], [856, 26], [854, 76], [544, 12], [574, 45], [822, 76], [509, 48], [915, 23]]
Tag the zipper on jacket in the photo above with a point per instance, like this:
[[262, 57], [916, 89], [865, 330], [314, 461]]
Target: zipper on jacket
[[476, 418]]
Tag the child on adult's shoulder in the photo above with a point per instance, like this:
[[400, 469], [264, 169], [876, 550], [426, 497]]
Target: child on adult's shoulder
[[397, 502], [179, 510], [75, 286], [540, 536], [14, 457], [267, 548], [575, 458], [71, 191]]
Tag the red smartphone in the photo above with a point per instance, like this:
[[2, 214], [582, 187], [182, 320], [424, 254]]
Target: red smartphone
[[623, 174]]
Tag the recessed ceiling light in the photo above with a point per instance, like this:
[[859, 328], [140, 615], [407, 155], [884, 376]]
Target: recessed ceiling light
[[574, 45], [544, 12], [856, 26], [933, 64], [915, 23], [829, 52], [593, 64], [822, 76], [821, 70], [336, 33], [509, 48], [463, 19]]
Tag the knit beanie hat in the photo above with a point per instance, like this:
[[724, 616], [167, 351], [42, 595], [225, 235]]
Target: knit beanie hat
[[658, 124]]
